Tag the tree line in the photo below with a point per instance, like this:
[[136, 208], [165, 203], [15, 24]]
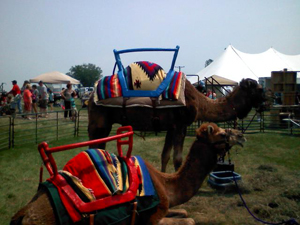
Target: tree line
[[87, 74]]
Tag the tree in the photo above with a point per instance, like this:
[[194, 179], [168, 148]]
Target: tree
[[207, 62], [87, 74]]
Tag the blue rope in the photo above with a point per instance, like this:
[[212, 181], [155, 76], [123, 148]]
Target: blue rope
[[287, 222]]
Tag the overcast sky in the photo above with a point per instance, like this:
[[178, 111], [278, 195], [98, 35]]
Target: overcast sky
[[39, 36]]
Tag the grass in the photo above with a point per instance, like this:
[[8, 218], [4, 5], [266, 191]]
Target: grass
[[269, 165]]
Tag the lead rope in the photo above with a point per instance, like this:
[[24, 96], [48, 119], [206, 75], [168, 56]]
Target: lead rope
[[291, 221]]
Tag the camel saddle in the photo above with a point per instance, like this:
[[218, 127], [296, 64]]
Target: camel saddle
[[97, 186], [144, 81]]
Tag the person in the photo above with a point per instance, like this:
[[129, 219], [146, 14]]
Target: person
[[16, 92], [62, 100], [66, 96], [43, 98], [51, 99], [211, 94], [10, 105], [24, 86], [35, 95], [73, 107], [27, 98], [214, 95]]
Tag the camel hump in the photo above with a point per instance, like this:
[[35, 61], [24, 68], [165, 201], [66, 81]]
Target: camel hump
[[141, 79]]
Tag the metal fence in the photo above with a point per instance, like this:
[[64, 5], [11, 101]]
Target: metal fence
[[270, 121], [17, 131]]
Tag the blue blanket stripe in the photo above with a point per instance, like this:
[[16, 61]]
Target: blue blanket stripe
[[108, 83], [147, 182], [99, 162]]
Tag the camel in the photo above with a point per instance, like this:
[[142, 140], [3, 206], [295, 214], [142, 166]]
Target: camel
[[173, 189], [176, 120]]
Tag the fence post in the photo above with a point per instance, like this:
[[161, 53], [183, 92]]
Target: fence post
[[36, 128], [57, 125], [13, 132], [75, 127], [9, 134]]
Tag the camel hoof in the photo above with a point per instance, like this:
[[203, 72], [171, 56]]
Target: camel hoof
[[177, 213]]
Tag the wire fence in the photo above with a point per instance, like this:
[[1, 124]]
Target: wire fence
[[17, 131], [270, 121]]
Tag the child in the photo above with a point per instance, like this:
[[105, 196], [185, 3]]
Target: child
[[73, 107], [51, 99], [35, 94]]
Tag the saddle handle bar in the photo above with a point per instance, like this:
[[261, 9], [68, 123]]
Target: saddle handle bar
[[50, 164], [118, 52]]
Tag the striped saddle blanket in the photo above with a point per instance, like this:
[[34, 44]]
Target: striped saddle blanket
[[94, 174], [141, 75], [99, 174]]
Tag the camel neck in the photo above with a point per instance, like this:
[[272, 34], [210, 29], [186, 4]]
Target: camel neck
[[224, 108], [185, 183]]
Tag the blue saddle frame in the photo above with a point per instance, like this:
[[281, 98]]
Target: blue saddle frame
[[142, 93]]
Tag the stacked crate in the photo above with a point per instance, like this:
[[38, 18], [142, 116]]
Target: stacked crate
[[285, 82]]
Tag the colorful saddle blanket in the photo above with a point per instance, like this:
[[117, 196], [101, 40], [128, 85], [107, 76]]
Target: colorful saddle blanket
[[104, 174], [95, 174], [139, 76]]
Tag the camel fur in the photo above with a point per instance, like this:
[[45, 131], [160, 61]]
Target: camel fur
[[175, 120], [173, 189]]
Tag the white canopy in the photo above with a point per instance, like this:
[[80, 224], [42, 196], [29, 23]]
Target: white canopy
[[220, 81], [236, 65], [54, 77]]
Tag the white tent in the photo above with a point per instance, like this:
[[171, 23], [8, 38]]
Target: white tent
[[236, 65], [54, 77]]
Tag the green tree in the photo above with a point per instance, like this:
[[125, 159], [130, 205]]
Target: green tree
[[87, 74]]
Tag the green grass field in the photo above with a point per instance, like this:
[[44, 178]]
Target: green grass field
[[269, 165]]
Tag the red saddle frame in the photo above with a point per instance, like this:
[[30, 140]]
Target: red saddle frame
[[65, 190]]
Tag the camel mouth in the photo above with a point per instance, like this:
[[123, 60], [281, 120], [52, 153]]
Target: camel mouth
[[241, 141], [240, 144]]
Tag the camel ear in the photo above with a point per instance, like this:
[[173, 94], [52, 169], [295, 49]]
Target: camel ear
[[210, 129], [203, 132]]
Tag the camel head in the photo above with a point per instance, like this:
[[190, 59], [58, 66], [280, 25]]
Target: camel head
[[254, 92], [221, 139], [212, 134], [235, 137]]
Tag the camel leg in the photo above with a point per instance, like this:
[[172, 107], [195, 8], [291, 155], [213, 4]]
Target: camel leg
[[96, 132], [176, 221], [178, 146], [165, 155], [177, 213]]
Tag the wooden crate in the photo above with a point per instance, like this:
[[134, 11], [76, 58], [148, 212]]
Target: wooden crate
[[289, 98], [284, 81]]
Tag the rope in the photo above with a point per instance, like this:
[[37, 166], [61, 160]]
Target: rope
[[287, 222]]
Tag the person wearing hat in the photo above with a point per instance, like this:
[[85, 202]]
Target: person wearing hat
[[43, 98], [16, 92]]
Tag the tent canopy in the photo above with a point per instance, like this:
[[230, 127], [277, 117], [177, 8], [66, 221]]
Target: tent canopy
[[220, 81], [236, 65], [54, 77]]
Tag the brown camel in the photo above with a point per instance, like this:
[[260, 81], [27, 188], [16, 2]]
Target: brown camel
[[175, 120], [172, 189]]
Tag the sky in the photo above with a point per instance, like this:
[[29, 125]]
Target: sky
[[39, 36]]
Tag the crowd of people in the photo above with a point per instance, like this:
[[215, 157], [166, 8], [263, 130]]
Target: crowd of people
[[37, 96]]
